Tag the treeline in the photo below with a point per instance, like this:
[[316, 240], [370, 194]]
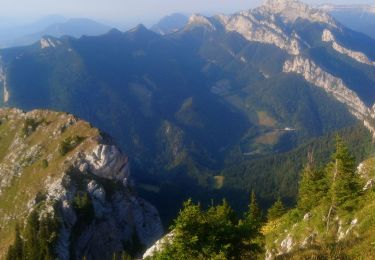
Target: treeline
[[277, 175], [37, 240], [215, 233], [337, 185]]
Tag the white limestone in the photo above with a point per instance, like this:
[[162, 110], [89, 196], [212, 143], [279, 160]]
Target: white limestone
[[197, 19], [107, 161], [260, 30], [287, 244], [327, 36], [158, 245], [49, 43], [332, 85], [291, 10]]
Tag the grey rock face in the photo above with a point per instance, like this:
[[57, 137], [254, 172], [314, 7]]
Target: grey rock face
[[120, 219]]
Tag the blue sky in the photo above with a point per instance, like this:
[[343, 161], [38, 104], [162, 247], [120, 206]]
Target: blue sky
[[131, 10]]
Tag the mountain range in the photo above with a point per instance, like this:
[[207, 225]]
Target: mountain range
[[220, 107], [56, 26], [360, 18]]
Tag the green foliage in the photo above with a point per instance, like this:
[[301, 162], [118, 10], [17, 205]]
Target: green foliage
[[253, 216], [69, 144], [215, 233], [38, 240], [334, 197], [83, 206], [344, 181], [312, 188], [30, 126], [277, 210], [15, 251], [121, 256], [44, 164]]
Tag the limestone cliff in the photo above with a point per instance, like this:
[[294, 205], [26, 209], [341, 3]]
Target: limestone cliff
[[51, 159]]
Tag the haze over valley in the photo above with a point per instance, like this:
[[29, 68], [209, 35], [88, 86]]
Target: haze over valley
[[165, 125]]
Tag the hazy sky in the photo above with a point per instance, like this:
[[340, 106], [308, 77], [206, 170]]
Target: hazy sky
[[131, 10]]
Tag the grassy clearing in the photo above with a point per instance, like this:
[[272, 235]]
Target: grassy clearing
[[265, 120], [219, 181]]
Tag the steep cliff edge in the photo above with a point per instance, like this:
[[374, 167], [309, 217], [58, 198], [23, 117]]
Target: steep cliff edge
[[61, 167]]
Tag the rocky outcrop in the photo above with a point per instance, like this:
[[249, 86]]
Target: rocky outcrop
[[313, 74], [263, 24], [200, 20], [360, 57], [49, 43], [158, 245], [261, 30], [291, 10], [116, 218]]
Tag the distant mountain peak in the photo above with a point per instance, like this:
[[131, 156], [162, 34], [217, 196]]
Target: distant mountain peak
[[170, 23], [283, 4], [200, 20], [139, 28], [291, 10]]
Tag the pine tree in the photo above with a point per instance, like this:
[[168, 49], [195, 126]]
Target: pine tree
[[312, 188], [31, 236], [15, 251], [276, 211], [216, 233], [254, 216], [345, 184]]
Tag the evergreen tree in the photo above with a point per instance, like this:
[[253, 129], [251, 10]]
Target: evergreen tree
[[253, 216], [31, 236], [345, 182], [312, 188], [39, 238], [15, 251], [216, 233], [277, 210]]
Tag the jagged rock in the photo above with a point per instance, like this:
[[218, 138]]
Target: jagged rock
[[369, 184], [332, 85], [106, 161], [327, 36], [158, 245], [94, 167], [309, 240], [200, 20], [291, 10], [287, 244], [307, 216], [270, 254]]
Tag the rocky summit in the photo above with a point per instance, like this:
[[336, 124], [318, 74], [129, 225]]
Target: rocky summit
[[55, 165]]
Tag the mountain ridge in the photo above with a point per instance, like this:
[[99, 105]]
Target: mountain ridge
[[191, 104], [51, 160]]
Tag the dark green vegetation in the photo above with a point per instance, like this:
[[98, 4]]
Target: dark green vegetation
[[215, 233], [69, 144], [38, 239], [197, 120], [333, 215], [270, 176]]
